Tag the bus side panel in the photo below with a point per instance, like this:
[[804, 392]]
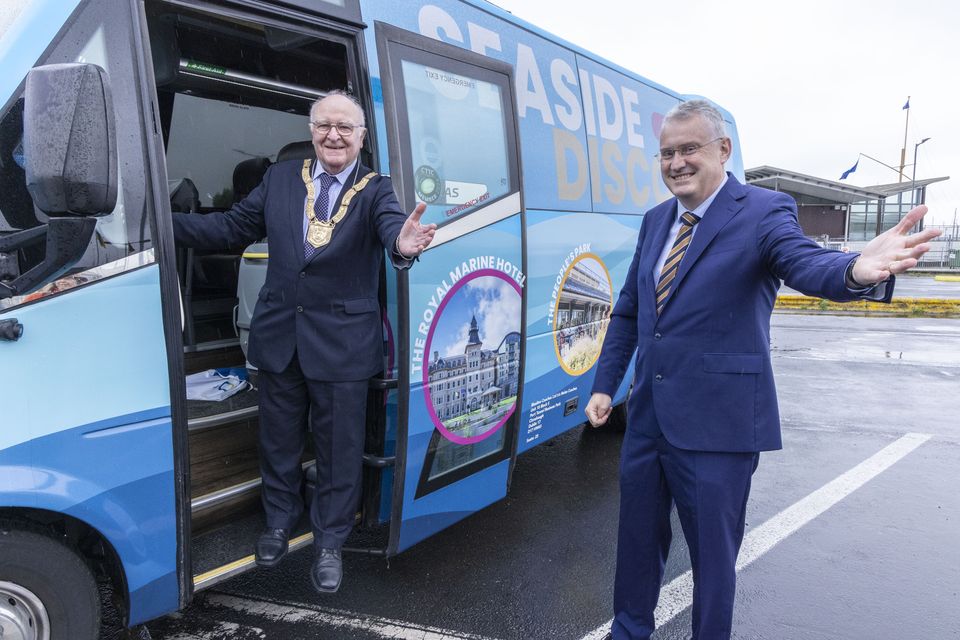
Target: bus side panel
[[577, 263], [87, 430]]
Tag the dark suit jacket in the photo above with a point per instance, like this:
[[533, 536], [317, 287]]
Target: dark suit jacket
[[326, 310], [702, 373]]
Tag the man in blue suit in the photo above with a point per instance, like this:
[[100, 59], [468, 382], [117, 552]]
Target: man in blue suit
[[316, 332], [696, 308]]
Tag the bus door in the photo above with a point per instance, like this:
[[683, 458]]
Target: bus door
[[452, 133]]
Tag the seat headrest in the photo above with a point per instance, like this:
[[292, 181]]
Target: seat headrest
[[247, 175], [184, 196], [296, 151]]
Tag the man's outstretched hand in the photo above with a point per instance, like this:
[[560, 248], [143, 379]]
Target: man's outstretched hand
[[894, 251], [415, 237]]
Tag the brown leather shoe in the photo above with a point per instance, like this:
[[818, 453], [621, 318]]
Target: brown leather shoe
[[327, 571], [271, 547]]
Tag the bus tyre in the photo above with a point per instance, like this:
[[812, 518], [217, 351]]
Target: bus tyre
[[46, 589]]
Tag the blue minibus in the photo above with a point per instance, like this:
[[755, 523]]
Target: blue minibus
[[535, 158]]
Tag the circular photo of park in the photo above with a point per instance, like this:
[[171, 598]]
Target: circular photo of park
[[471, 371], [582, 313]]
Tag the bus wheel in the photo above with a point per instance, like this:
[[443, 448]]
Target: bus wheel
[[46, 590]]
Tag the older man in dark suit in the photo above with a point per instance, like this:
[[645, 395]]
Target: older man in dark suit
[[696, 308], [316, 333]]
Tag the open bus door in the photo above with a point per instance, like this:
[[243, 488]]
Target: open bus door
[[453, 145]]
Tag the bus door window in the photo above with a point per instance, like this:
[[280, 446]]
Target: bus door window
[[457, 141]]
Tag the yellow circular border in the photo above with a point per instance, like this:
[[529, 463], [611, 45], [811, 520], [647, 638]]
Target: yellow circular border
[[556, 310]]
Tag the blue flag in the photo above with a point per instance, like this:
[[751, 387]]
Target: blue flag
[[907, 104], [850, 170]]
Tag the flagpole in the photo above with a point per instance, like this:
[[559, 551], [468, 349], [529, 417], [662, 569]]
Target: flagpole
[[903, 149], [894, 169]]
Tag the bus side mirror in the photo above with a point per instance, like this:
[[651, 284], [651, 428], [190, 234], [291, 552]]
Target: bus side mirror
[[69, 140], [69, 148]]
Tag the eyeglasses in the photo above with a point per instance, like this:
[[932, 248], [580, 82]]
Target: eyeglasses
[[684, 151], [345, 129]]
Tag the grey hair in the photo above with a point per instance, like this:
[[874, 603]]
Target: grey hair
[[348, 96], [702, 108]]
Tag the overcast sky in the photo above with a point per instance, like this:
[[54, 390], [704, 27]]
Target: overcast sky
[[810, 84]]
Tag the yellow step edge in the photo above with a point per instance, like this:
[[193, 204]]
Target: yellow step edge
[[230, 569]]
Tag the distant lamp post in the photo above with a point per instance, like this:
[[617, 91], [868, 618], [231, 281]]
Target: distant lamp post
[[913, 181]]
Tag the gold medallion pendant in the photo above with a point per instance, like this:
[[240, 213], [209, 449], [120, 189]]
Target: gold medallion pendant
[[319, 233]]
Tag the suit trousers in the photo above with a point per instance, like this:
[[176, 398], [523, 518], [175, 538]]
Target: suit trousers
[[710, 491], [337, 414]]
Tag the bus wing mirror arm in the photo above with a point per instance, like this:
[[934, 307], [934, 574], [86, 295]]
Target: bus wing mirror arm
[[67, 240]]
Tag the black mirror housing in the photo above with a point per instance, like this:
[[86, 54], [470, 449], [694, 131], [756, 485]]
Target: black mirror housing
[[69, 140]]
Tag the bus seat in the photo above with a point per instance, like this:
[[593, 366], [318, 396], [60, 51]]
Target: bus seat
[[297, 151], [184, 196], [247, 175]]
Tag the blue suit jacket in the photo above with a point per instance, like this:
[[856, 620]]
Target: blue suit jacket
[[325, 309], [702, 374]]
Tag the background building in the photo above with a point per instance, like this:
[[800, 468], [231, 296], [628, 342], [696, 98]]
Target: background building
[[840, 215]]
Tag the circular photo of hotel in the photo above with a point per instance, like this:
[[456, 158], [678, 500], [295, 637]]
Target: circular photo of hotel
[[472, 361], [582, 313]]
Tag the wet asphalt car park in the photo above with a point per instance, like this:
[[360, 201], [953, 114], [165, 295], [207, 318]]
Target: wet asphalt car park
[[852, 528]]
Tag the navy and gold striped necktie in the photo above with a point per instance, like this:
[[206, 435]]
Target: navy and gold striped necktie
[[672, 263]]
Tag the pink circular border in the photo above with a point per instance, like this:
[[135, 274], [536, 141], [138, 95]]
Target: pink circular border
[[426, 359]]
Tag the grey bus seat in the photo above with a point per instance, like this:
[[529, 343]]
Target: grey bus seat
[[184, 196], [247, 175], [301, 150]]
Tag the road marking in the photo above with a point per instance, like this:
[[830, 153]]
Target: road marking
[[224, 630], [678, 594], [300, 613]]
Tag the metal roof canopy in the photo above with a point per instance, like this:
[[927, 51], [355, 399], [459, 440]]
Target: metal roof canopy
[[804, 185], [893, 188]]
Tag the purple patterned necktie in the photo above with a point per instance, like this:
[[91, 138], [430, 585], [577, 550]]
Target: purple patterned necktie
[[320, 207]]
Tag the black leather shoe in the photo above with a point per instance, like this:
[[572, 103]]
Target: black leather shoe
[[327, 571], [271, 546]]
